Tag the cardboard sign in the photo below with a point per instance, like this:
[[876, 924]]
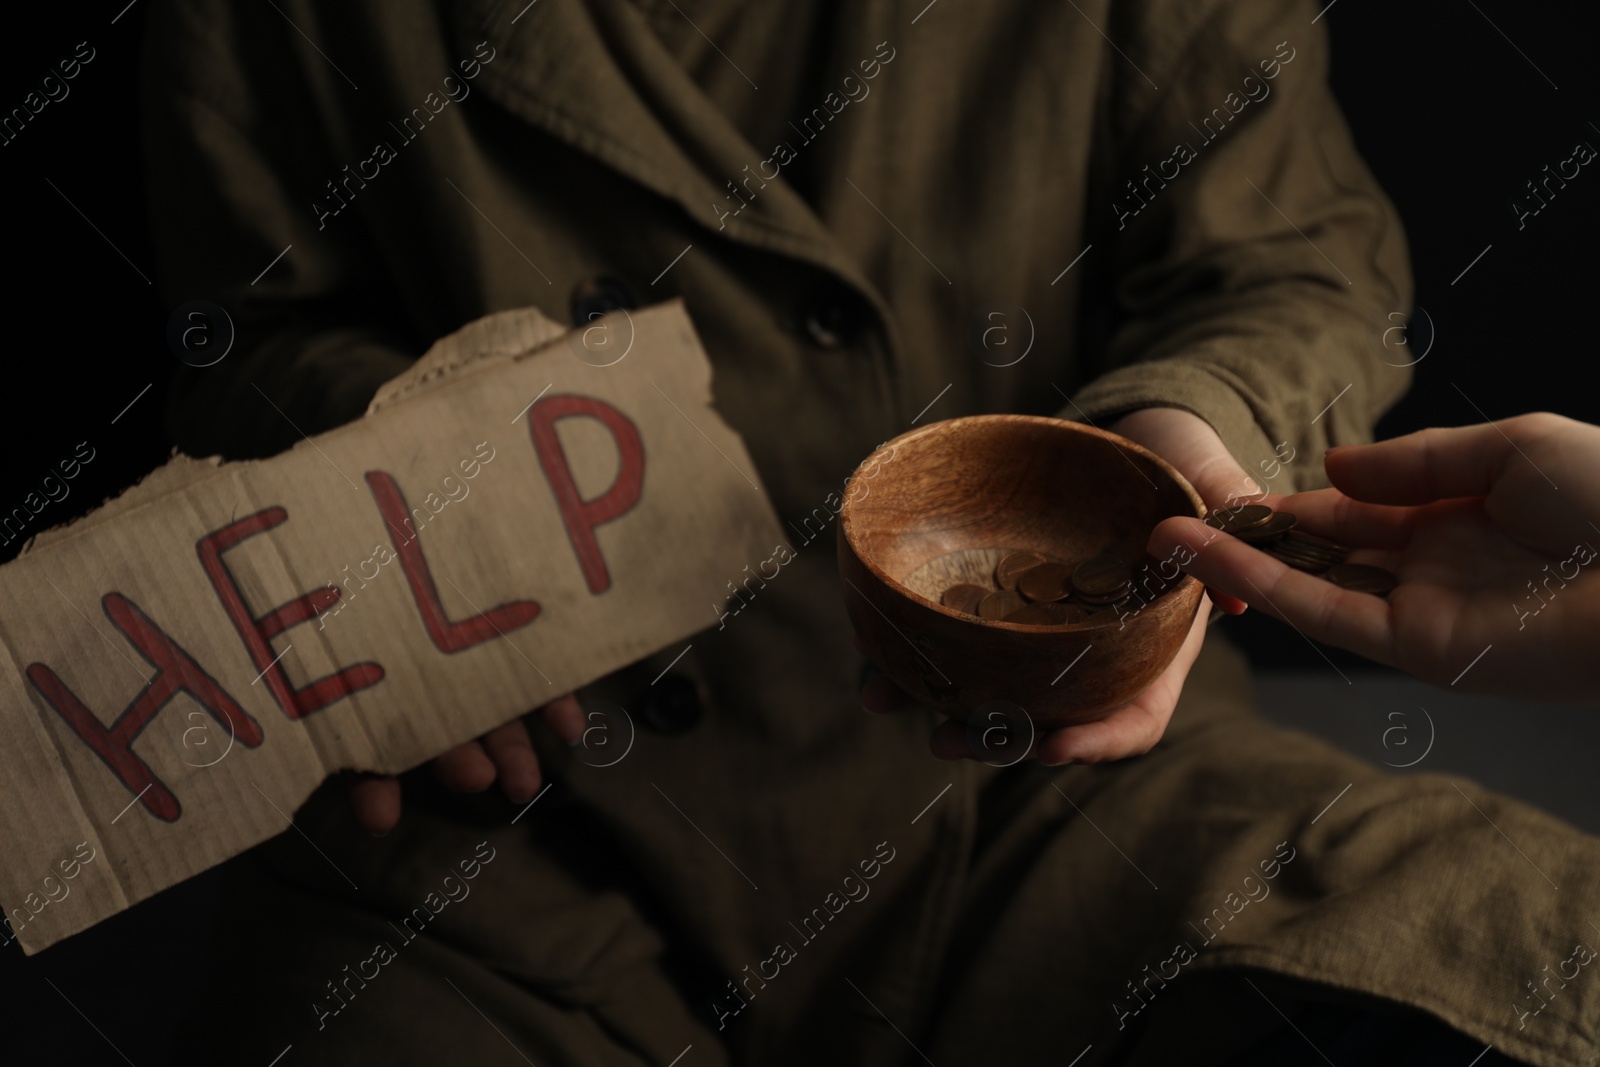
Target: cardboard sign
[[184, 666]]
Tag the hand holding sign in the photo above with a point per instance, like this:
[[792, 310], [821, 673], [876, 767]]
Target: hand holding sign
[[211, 590], [504, 755]]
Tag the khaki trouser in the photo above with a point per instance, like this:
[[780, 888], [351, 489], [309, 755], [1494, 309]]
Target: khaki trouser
[[1092, 906]]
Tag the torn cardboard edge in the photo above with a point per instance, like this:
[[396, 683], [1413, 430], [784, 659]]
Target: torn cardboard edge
[[182, 667], [503, 335]]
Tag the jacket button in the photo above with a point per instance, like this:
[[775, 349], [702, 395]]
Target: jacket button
[[834, 315], [672, 705], [599, 296]]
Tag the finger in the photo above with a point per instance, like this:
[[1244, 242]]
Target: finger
[[565, 718], [1319, 610], [1130, 730], [465, 768], [376, 800], [882, 695], [1134, 728], [1229, 605], [1188, 443], [516, 766], [951, 740], [1331, 513], [1421, 467], [1220, 481]]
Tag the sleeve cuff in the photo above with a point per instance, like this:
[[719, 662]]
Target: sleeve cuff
[[1176, 383]]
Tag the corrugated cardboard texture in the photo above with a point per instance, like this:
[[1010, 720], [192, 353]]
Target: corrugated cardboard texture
[[542, 491]]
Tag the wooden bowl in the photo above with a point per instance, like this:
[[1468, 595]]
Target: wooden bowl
[[942, 503]]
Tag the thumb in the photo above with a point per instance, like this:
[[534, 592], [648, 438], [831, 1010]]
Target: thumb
[[1189, 443], [565, 718], [1219, 479]]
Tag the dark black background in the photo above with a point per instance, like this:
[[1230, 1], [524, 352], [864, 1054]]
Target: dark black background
[[1448, 112]]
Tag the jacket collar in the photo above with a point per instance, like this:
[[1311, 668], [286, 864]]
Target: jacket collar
[[593, 74]]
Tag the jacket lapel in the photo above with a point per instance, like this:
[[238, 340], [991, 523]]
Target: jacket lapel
[[594, 75]]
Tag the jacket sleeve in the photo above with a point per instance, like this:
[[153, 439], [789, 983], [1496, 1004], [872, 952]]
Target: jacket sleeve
[[1256, 261], [233, 157]]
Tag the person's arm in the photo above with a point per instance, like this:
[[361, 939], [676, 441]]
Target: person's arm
[[1252, 269], [233, 147], [235, 153], [1256, 262]]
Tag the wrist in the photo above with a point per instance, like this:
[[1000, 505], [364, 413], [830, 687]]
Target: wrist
[[1192, 446]]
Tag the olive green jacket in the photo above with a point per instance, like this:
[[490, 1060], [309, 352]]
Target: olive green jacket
[[1073, 209]]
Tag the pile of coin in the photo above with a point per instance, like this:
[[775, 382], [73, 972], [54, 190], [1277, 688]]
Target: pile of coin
[[1037, 590], [1274, 533]]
